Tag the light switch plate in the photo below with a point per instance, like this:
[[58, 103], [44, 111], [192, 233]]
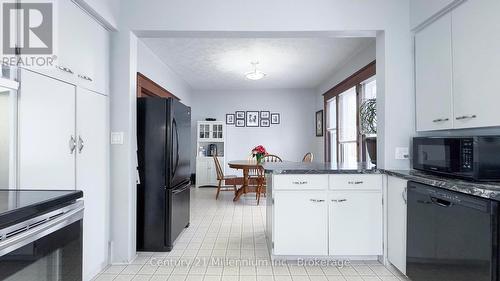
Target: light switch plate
[[116, 137], [402, 153]]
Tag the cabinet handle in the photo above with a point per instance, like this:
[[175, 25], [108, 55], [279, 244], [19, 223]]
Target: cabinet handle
[[65, 69], [339, 200], [81, 144], [440, 120], [403, 194], [72, 144], [355, 182], [299, 182], [317, 200], [85, 77], [466, 117]]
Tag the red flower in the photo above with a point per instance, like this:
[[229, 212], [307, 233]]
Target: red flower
[[259, 150]]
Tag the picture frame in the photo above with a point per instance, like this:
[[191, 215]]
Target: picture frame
[[265, 123], [240, 122], [252, 119], [230, 119], [275, 118], [319, 123], [265, 114], [240, 114]]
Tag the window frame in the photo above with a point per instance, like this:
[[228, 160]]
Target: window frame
[[355, 80]]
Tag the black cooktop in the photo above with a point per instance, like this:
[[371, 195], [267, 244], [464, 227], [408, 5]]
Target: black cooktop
[[19, 205]]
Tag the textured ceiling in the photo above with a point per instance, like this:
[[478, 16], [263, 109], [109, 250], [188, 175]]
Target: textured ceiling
[[220, 63]]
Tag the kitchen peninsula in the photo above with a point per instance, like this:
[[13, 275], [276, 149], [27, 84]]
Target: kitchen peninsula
[[324, 210]]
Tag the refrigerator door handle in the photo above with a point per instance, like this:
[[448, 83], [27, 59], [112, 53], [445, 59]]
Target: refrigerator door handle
[[176, 147], [176, 191]]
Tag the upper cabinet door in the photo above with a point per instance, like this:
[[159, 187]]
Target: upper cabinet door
[[476, 60], [433, 76], [422, 10], [47, 140]]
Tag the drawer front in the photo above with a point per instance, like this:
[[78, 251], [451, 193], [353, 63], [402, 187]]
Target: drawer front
[[356, 181], [295, 182]]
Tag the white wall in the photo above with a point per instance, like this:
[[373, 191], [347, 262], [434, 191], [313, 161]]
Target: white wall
[[150, 65], [290, 139], [107, 11], [353, 64], [390, 18]]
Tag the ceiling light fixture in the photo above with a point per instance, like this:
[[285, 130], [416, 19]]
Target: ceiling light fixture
[[255, 74]]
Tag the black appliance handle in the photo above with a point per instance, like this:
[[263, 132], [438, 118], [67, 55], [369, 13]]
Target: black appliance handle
[[441, 202], [179, 190], [176, 147]]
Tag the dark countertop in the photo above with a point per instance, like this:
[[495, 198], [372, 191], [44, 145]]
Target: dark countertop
[[278, 168], [19, 205], [490, 190]]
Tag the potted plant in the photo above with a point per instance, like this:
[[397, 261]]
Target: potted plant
[[258, 153], [368, 128]]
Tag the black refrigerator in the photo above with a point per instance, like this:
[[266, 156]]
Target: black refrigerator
[[163, 199]]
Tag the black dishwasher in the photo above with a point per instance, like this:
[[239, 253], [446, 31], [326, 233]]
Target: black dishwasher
[[451, 236]]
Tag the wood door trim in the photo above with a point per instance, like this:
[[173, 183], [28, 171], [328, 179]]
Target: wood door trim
[[149, 88], [354, 80], [351, 81]]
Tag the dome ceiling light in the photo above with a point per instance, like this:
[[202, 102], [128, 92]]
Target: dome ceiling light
[[255, 74]]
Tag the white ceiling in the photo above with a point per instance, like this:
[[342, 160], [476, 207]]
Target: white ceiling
[[220, 63]]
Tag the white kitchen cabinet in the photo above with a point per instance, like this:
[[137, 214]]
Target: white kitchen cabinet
[[355, 223], [423, 10], [92, 178], [63, 144], [211, 131], [396, 222], [301, 223], [46, 128], [206, 173], [302, 182], [476, 41], [433, 76], [82, 49]]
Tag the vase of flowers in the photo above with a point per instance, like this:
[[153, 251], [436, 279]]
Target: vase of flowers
[[258, 153]]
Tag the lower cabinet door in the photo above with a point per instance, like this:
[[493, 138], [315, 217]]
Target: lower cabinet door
[[396, 222], [92, 178], [355, 223], [301, 223]]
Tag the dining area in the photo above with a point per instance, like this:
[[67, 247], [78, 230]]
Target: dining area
[[252, 179]]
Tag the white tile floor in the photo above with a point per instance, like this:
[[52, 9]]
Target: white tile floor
[[226, 242]]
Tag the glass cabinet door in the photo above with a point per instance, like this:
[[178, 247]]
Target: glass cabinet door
[[204, 131], [217, 131]]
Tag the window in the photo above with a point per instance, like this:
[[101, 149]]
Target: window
[[332, 126], [368, 91], [348, 130], [343, 141]]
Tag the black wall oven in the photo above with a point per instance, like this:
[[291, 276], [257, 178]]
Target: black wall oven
[[474, 158], [44, 248]]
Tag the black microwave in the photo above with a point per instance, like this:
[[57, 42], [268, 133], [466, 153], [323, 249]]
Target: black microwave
[[475, 158]]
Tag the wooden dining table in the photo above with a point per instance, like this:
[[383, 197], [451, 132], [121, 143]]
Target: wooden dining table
[[246, 166]]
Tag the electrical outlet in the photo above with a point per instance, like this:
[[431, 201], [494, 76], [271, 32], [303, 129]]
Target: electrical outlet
[[402, 153]]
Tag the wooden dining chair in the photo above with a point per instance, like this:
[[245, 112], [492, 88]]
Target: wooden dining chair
[[308, 158], [261, 183], [221, 178], [271, 158]]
